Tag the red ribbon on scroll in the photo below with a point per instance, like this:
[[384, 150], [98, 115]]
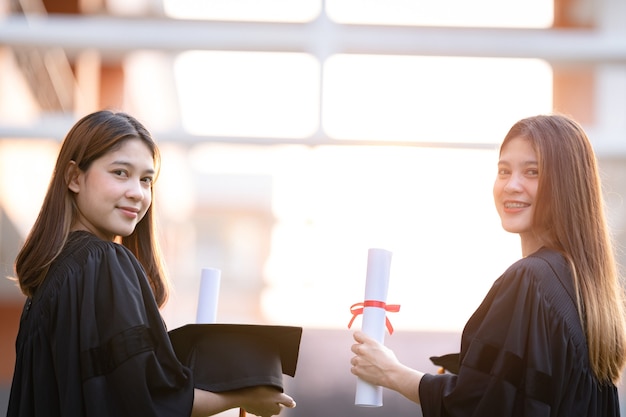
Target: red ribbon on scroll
[[357, 309]]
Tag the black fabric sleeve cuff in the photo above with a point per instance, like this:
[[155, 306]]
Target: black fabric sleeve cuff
[[431, 391]]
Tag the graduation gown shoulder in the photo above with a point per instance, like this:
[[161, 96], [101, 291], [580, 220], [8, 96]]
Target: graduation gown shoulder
[[523, 352], [92, 341]]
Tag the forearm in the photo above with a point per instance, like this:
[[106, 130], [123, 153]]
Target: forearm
[[207, 403], [405, 381], [378, 365], [258, 400]]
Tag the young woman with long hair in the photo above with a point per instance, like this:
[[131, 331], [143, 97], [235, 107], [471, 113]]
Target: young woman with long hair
[[91, 340], [549, 339]]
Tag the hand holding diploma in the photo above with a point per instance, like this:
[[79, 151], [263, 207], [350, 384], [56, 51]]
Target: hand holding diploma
[[378, 365], [374, 310], [240, 364]]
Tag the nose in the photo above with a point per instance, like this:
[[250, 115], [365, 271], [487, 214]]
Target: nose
[[135, 190], [513, 184]]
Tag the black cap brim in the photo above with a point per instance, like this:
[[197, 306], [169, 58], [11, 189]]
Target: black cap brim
[[450, 362], [225, 357]]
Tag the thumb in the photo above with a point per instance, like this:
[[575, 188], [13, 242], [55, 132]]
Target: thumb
[[287, 401], [361, 337]]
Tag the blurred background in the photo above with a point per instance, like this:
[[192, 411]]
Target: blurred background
[[296, 135]]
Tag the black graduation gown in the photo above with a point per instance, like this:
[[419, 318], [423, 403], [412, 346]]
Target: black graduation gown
[[523, 352], [92, 341]]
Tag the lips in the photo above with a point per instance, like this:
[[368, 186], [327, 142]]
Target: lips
[[130, 211], [515, 205]]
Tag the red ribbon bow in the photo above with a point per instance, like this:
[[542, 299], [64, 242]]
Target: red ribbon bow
[[357, 309]]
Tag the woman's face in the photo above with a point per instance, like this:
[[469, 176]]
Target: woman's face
[[114, 194], [515, 189]]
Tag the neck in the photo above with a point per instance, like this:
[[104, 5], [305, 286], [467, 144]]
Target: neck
[[530, 244]]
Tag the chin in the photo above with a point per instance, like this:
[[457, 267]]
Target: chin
[[124, 232], [514, 228]]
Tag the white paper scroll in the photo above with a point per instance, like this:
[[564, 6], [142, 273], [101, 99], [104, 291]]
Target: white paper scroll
[[208, 296], [373, 324]]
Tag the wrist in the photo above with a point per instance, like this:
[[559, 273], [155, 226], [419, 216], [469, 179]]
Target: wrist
[[407, 382]]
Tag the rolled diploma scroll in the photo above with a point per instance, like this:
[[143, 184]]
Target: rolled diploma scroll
[[373, 324], [208, 296]]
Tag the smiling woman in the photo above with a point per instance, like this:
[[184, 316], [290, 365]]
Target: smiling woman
[[91, 270], [515, 190], [114, 194], [549, 336]]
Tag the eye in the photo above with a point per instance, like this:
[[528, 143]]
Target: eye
[[120, 172], [532, 172], [147, 180]]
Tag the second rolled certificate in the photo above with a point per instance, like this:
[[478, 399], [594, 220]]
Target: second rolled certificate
[[374, 318], [208, 296]]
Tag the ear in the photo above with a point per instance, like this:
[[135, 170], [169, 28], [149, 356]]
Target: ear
[[72, 173]]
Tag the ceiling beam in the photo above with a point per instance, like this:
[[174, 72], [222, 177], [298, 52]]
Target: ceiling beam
[[115, 36], [56, 127]]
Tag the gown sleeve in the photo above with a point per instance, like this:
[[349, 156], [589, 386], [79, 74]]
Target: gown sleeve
[[124, 357], [523, 353]]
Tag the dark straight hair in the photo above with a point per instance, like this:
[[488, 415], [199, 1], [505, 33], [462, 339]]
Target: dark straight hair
[[89, 139], [569, 217]]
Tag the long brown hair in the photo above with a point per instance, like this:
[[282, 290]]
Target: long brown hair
[[569, 217], [89, 139]]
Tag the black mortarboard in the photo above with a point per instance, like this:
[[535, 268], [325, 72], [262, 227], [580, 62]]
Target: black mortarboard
[[449, 362], [224, 357]]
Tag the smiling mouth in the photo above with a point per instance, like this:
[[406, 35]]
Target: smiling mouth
[[129, 209], [515, 205]]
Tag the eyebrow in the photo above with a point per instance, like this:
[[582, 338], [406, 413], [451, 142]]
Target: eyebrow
[[128, 164], [525, 163]]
